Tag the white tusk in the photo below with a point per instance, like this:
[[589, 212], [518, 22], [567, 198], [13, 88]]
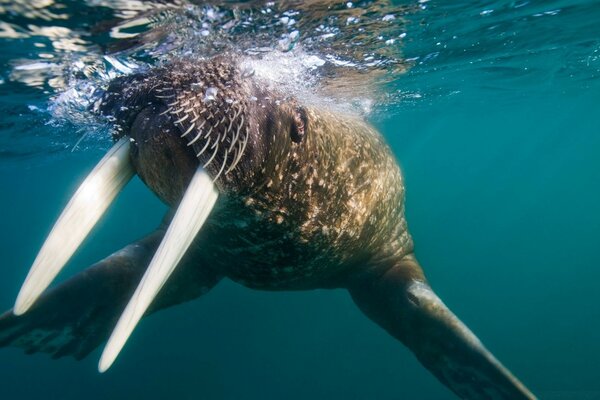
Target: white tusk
[[198, 201], [80, 215]]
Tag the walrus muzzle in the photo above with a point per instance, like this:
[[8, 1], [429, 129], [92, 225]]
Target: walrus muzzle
[[84, 210]]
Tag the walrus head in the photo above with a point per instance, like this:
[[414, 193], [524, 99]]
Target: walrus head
[[192, 131], [200, 113]]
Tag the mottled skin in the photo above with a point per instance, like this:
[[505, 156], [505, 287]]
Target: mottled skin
[[299, 211], [309, 198], [317, 211]]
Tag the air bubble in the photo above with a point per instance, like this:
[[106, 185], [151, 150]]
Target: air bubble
[[210, 94]]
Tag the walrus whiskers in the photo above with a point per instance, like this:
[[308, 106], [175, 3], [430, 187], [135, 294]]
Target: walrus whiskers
[[237, 133], [180, 120], [222, 166], [188, 130], [168, 110], [216, 143], [204, 148], [213, 155], [243, 147], [232, 120], [235, 154], [210, 129], [199, 129]]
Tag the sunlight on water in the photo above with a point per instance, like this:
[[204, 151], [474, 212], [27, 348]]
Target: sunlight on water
[[352, 54], [308, 47]]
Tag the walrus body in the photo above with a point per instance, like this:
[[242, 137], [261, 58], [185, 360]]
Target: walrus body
[[309, 198], [316, 196], [319, 212]]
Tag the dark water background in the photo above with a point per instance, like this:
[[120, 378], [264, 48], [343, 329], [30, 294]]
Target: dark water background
[[497, 128]]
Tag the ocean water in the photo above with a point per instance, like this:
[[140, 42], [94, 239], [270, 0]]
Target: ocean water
[[491, 108]]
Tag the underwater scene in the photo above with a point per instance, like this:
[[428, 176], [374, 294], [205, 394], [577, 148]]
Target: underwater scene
[[490, 108]]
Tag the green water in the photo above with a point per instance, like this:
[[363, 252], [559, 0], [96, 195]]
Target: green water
[[498, 134]]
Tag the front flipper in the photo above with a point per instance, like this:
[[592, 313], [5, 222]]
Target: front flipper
[[78, 315], [402, 302]]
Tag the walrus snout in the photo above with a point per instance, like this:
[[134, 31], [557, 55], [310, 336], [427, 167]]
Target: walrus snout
[[202, 107], [159, 156], [201, 113]]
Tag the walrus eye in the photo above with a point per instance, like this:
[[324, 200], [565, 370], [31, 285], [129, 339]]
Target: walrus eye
[[298, 125]]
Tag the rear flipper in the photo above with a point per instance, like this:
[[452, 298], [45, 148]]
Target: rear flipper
[[402, 302], [78, 315]]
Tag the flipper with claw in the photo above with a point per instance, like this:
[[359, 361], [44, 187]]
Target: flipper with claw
[[401, 301], [78, 315]]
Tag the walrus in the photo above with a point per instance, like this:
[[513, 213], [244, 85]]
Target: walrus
[[266, 190]]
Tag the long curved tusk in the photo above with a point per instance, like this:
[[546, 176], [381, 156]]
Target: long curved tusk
[[197, 203], [78, 218]]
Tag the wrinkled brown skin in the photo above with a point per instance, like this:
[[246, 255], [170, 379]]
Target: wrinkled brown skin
[[316, 201]]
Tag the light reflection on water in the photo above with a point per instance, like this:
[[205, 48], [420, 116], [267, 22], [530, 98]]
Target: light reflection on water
[[56, 53], [360, 36], [353, 54]]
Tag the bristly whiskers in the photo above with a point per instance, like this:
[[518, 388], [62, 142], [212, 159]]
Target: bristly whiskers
[[210, 121]]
